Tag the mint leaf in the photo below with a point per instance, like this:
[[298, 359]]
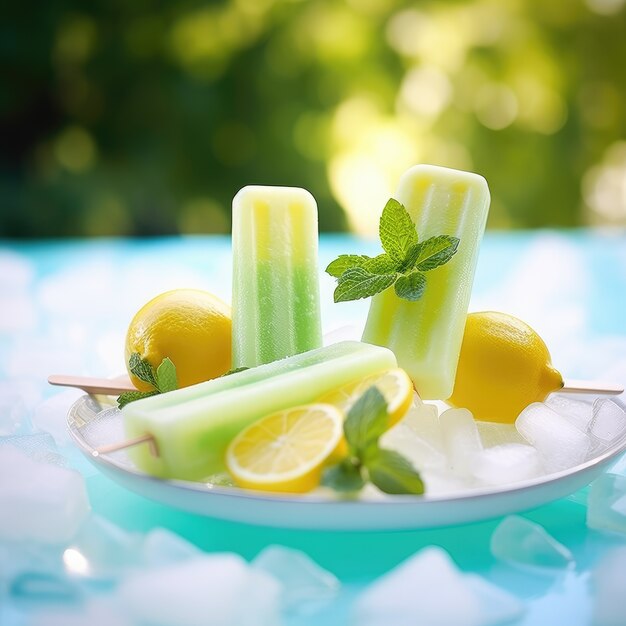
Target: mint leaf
[[397, 231], [359, 276], [411, 286], [393, 474], [345, 477], [366, 421], [142, 369], [346, 261], [358, 283], [433, 252], [166, 376], [130, 396], [381, 264]]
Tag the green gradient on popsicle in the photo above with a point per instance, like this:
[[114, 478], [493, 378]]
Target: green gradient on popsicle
[[426, 335], [276, 311], [193, 426]]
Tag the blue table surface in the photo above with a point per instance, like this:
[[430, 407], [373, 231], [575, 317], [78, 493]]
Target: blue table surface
[[65, 306]]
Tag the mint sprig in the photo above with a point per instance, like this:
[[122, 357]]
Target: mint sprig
[[163, 379], [403, 263], [366, 421]]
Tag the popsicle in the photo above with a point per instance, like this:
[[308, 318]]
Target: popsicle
[[192, 427], [275, 302], [426, 335]]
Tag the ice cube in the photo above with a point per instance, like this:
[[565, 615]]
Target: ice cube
[[605, 506], [306, 586], [101, 550], [220, 589], [507, 463], [608, 424], [45, 587], [609, 589], [560, 444], [39, 447], [39, 502], [26, 391], [17, 558], [99, 611], [423, 420], [493, 434], [443, 482], [162, 547], [497, 606], [619, 467], [429, 589], [418, 438], [576, 412], [523, 543], [460, 439], [50, 416]]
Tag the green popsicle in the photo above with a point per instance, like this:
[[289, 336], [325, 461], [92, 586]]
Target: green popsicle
[[193, 426], [276, 311]]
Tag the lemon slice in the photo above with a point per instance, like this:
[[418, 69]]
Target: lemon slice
[[395, 385], [286, 451]]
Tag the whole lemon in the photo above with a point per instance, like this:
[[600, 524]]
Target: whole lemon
[[504, 365], [191, 327]]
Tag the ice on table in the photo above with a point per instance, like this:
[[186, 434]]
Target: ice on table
[[506, 463], [606, 505], [461, 440], [560, 444], [101, 550], [220, 589], [577, 412], [50, 416], [608, 424], [12, 411], [619, 467], [609, 589], [98, 611], [306, 586], [418, 438], [36, 587], [163, 547], [38, 447], [429, 589], [497, 605], [523, 543], [39, 502]]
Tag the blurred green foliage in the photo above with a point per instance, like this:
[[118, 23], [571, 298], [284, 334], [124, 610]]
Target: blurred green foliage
[[145, 118]]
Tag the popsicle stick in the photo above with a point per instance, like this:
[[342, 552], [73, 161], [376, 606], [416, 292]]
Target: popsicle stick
[[129, 443], [592, 387], [106, 386]]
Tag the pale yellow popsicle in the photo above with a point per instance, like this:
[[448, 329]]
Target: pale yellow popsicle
[[275, 306], [426, 335]]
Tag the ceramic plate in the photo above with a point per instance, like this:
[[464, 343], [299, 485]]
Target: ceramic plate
[[94, 423]]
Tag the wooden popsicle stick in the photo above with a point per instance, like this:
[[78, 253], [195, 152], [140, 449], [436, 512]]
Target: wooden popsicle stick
[[106, 386], [129, 443], [591, 387]]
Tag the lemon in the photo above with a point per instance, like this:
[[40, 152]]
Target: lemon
[[394, 384], [191, 327], [504, 365], [286, 451]]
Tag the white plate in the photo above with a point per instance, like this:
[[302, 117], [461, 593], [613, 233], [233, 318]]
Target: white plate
[[93, 424]]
